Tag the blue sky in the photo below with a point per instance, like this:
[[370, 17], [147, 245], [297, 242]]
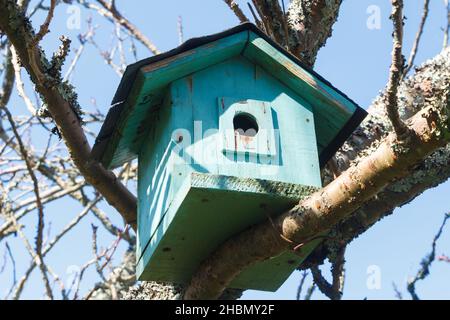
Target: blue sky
[[356, 60]]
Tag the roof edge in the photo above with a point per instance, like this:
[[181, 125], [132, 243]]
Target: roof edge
[[115, 113]]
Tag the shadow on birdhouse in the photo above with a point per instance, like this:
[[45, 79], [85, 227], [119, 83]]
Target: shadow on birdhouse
[[229, 130]]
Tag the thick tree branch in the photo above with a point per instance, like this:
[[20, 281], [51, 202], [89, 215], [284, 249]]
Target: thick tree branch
[[273, 18], [310, 25], [62, 104], [322, 210], [428, 84]]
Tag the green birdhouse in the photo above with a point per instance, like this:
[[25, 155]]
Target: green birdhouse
[[229, 130]]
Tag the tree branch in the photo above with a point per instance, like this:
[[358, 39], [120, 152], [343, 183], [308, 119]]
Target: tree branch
[[428, 84], [64, 109], [310, 25], [332, 290], [322, 210], [236, 10], [124, 22], [415, 47], [396, 70], [424, 270], [43, 30], [273, 18], [447, 28]]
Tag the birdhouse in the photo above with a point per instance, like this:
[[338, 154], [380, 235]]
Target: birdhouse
[[229, 130]]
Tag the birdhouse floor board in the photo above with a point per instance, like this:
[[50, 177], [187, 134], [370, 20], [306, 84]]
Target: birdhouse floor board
[[207, 210]]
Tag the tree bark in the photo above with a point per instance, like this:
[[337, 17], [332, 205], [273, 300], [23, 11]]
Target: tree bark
[[61, 101], [429, 80], [390, 160]]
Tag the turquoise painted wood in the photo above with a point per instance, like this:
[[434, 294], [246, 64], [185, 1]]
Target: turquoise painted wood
[[227, 135], [206, 211], [151, 82], [331, 109], [186, 138]]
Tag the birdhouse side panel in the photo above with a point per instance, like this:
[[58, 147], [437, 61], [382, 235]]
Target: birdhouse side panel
[[161, 163]]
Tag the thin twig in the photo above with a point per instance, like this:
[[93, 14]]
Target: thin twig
[[415, 47], [13, 262], [447, 29], [444, 258], [397, 292], [300, 285], [255, 17], [43, 30], [52, 243], [310, 291], [124, 22], [426, 262], [40, 226], [36, 259], [285, 25]]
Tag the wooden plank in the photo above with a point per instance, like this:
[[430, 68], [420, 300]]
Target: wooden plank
[[154, 175]]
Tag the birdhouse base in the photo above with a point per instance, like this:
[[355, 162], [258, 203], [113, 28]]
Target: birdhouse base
[[207, 210]]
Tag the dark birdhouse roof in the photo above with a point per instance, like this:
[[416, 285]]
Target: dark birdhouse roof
[[143, 83]]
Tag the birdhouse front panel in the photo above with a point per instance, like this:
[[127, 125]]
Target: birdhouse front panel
[[229, 130], [232, 119]]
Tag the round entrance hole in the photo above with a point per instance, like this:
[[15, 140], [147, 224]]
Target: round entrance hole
[[245, 124]]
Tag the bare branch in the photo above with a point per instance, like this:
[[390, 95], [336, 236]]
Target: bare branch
[[447, 29], [124, 22], [19, 83], [335, 289], [415, 47], [426, 85], [396, 70], [300, 285], [8, 81], [255, 17], [51, 244], [273, 19], [43, 30], [310, 291], [310, 25], [65, 111], [40, 226], [424, 270], [397, 292], [36, 259], [236, 10], [338, 273]]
